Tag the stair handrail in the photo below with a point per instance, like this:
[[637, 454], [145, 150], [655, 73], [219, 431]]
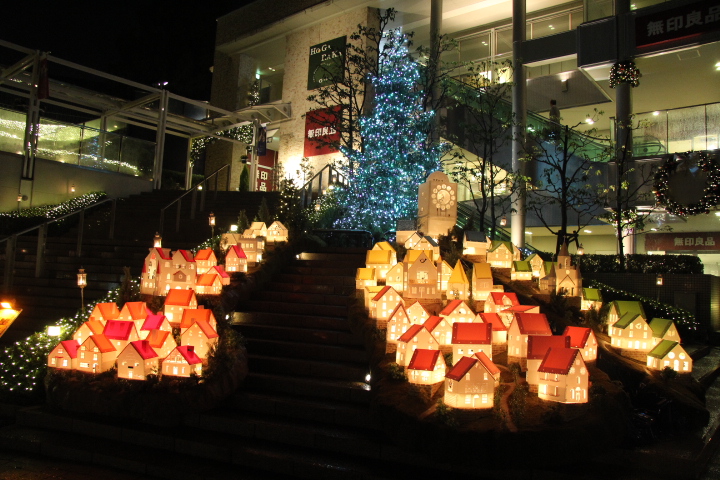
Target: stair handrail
[[11, 240], [193, 190], [306, 190], [467, 211]]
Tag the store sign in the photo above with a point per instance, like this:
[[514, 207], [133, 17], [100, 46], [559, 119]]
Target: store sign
[[676, 23], [321, 134], [326, 63], [265, 178], [682, 241]]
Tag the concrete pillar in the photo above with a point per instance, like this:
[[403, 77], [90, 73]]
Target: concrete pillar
[[519, 107]]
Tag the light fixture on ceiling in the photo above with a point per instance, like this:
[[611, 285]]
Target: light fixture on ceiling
[[587, 231], [589, 121], [655, 114], [564, 84]]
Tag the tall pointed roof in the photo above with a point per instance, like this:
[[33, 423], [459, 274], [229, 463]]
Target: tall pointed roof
[[458, 274], [180, 297]]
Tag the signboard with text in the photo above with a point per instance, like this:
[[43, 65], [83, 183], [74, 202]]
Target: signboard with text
[[682, 241], [676, 23], [321, 135], [326, 63]]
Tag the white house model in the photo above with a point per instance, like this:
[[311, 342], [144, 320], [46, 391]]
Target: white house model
[[471, 382], [670, 354], [64, 355], [383, 304], [235, 259], [365, 277], [475, 244], [277, 232], [563, 376], [523, 325], [471, 338], [182, 362], [417, 336], [458, 286], [426, 367], [583, 338], [138, 360], [380, 260], [537, 348]]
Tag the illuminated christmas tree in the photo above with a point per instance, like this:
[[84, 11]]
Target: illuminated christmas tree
[[396, 155]]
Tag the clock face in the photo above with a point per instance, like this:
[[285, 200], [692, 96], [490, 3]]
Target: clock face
[[443, 197]]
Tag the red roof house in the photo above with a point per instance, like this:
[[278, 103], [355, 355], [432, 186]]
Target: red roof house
[[499, 330], [177, 301], [161, 341], [471, 338], [426, 367], [96, 354], [235, 259], [537, 347], [457, 311], [208, 284], [417, 336], [137, 360], [219, 270], [523, 325], [497, 301], [135, 312], [64, 355], [103, 312], [182, 362], [583, 338], [154, 321], [91, 327], [120, 333], [192, 315], [471, 382], [563, 376], [201, 336], [398, 322], [204, 260], [383, 304]]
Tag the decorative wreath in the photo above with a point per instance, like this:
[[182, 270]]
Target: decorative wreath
[[624, 72], [712, 187]]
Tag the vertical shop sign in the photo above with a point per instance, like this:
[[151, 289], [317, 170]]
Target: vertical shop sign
[[326, 63], [321, 134]]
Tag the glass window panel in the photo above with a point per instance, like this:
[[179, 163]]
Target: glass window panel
[[12, 131], [503, 40], [651, 136], [476, 48], [686, 129], [59, 142], [712, 114], [551, 26]]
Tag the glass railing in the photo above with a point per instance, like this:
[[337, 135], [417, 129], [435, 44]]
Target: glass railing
[[79, 145], [605, 8], [678, 130]]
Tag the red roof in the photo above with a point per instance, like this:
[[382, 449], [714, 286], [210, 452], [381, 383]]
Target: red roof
[[109, 311], [423, 359], [458, 371], [187, 255], [157, 338], [188, 353], [204, 254], [410, 333], [163, 253], [380, 294], [495, 320], [399, 307], [518, 308], [578, 336], [558, 360], [488, 364], [101, 342], [71, 347], [538, 345], [192, 315], [472, 333], [153, 321], [220, 270], [533, 324], [206, 279], [118, 329], [451, 306], [238, 251], [137, 310], [432, 322], [180, 297], [497, 297], [144, 349]]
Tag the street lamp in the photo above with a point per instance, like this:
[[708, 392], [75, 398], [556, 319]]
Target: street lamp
[[581, 250], [211, 221], [503, 221], [157, 240], [82, 283], [659, 279]]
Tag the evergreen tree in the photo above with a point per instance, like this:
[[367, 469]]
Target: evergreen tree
[[242, 221], [264, 214], [396, 154]]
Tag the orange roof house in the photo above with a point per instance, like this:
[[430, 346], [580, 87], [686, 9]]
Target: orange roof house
[[154, 321], [91, 327], [563, 376], [458, 286], [365, 277], [497, 301], [236, 259], [583, 338], [383, 304], [205, 259], [96, 354], [64, 355], [426, 367], [397, 324], [389, 248], [417, 336], [135, 312], [523, 325], [499, 330], [208, 284], [137, 360], [192, 315], [182, 362], [120, 333], [201, 336], [219, 270], [471, 382], [538, 346], [471, 338], [103, 312], [177, 301], [161, 341]]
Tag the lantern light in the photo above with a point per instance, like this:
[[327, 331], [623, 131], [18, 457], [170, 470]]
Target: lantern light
[[211, 219], [72, 188], [199, 187], [82, 283], [659, 280], [157, 240], [233, 228], [54, 330], [503, 221], [317, 207], [581, 250], [6, 305]]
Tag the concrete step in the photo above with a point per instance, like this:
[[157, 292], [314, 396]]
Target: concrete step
[[303, 298], [312, 351], [314, 280], [309, 288], [297, 386], [322, 271], [290, 320], [310, 336], [295, 308], [310, 368]]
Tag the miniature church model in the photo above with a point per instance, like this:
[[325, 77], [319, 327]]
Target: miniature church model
[[437, 205]]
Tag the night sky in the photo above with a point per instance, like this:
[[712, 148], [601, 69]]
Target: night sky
[[145, 41]]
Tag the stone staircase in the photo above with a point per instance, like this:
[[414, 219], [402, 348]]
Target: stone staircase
[[303, 411]]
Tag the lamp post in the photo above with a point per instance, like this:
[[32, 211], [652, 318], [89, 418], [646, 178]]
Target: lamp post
[[82, 283], [211, 221]]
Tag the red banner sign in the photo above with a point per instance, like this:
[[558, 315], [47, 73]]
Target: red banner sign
[[682, 241], [321, 134]]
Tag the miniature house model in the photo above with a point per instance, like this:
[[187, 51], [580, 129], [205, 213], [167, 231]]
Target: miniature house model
[[204, 260], [177, 301], [277, 232], [135, 312], [502, 254], [631, 332], [208, 284], [538, 346], [471, 338], [583, 338], [383, 304], [162, 342], [91, 327], [365, 277], [563, 376], [137, 361], [482, 282], [444, 273], [441, 329], [437, 205], [120, 333], [475, 244], [471, 382], [219, 270], [498, 301], [521, 270], [669, 354], [235, 259], [389, 248], [253, 248], [536, 264], [154, 321], [417, 336], [256, 229], [457, 311], [397, 277], [157, 262], [523, 325], [426, 367], [417, 313], [397, 324], [380, 260], [458, 285], [96, 354], [201, 336], [422, 279], [591, 298], [103, 312], [182, 362], [64, 355], [499, 330], [663, 329]]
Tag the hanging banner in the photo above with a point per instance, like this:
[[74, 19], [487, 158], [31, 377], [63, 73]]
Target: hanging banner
[[262, 141], [676, 23], [321, 135], [326, 63], [682, 241]]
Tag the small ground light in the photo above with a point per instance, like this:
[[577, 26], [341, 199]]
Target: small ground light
[[72, 188], [659, 280], [233, 228], [54, 330], [368, 377]]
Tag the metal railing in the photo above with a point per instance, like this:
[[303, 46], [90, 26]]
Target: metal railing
[[193, 192], [325, 178], [465, 213], [11, 241]]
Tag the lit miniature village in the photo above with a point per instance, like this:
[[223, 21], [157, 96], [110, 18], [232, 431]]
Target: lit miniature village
[[178, 340]]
